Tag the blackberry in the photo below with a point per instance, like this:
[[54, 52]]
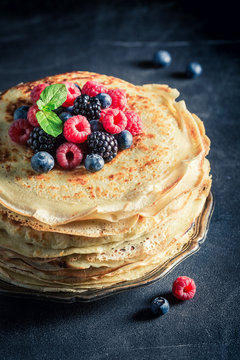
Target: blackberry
[[41, 141], [87, 106], [102, 144]]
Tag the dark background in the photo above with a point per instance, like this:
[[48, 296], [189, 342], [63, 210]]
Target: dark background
[[119, 38]]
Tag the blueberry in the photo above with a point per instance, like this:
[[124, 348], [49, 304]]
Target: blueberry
[[162, 58], [160, 306], [59, 110], [96, 125], [21, 112], [69, 109], [77, 86], [124, 139], [194, 69], [94, 162], [105, 100], [64, 116], [42, 162]]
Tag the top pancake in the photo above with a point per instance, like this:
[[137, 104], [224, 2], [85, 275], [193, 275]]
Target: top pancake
[[130, 184]]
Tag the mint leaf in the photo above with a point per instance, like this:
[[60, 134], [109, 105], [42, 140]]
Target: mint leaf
[[40, 104], [53, 96], [50, 122], [48, 107]]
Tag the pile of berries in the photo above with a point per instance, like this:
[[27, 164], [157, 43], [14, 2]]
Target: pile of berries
[[96, 125]]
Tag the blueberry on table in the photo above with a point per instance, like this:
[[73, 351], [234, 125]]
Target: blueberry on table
[[160, 306], [162, 58], [194, 69], [96, 125], [94, 162], [124, 139], [21, 112], [42, 162], [105, 100], [64, 116]]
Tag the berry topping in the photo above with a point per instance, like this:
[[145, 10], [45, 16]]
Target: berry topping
[[72, 93], [93, 162], [21, 113], [20, 131], [184, 288], [77, 86], [134, 122], [114, 121], [194, 69], [31, 116], [119, 99], [103, 113], [69, 109], [105, 100], [124, 139], [92, 88], [162, 58], [69, 155], [96, 125], [102, 144], [76, 129], [64, 116], [36, 92], [39, 140], [42, 162], [59, 110], [160, 306], [87, 106]]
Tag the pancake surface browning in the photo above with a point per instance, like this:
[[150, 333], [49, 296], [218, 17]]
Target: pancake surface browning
[[69, 231]]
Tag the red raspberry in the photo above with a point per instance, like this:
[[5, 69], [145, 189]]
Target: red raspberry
[[114, 121], [36, 91], [20, 131], [184, 288], [92, 88], [69, 155], [134, 122], [119, 99], [31, 115], [76, 129], [103, 113], [72, 93]]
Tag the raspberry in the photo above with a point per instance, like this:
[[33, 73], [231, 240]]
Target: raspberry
[[103, 113], [76, 129], [72, 93], [184, 288], [92, 88], [31, 115], [119, 99], [36, 91], [114, 121], [134, 122], [69, 155], [20, 131]]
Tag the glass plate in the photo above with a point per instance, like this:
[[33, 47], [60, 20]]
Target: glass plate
[[199, 233]]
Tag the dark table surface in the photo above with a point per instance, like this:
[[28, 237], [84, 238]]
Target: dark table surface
[[118, 38]]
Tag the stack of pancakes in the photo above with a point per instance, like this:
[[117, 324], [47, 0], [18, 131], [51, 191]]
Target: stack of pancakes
[[75, 230]]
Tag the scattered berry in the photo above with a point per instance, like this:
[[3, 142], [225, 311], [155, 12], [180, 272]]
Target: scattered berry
[[64, 116], [92, 88], [114, 121], [69, 109], [87, 106], [124, 139], [20, 131], [102, 144], [94, 162], [42, 162], [134, 122], [162, 58], [96, 125], [105, 100], [76, 129], [31, 116], [36, 92], [72, 93], [69, 155], [39, 140], [184, 288], [103, 113], [21, 113], [160, 306], [119, 99], [194, 69]]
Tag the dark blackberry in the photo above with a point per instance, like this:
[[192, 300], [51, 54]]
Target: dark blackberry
[[41, 141], [102, 144], [87, 106]]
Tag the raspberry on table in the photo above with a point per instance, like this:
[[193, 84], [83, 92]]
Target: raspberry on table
[[69, 156], [114, 121], [39, 140], [20, 131], [134, 122], [184, 288], [36, 92], [76, 129], [119, 99], [87, 106], [102, 144], [72, 93], [92, 88], [31, 115]]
